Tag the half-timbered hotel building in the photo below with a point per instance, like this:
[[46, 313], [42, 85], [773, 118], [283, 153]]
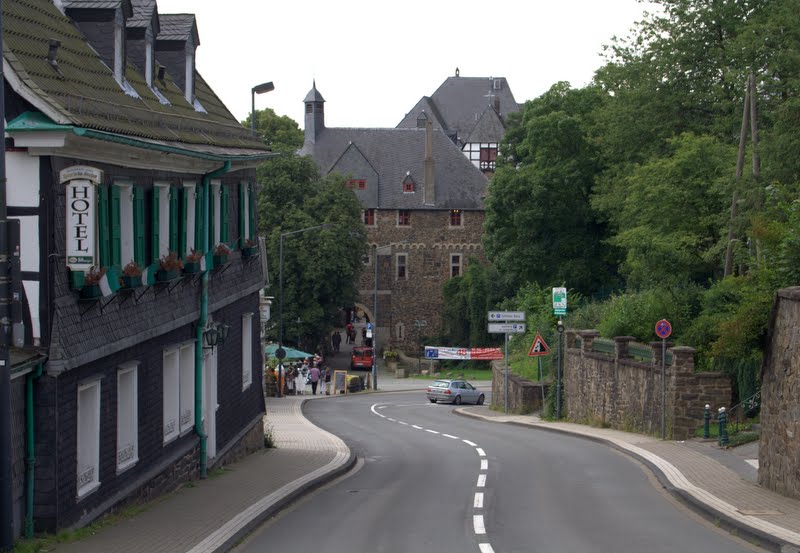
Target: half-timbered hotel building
[[120, 156]]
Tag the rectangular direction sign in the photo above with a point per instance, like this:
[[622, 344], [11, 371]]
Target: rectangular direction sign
[[496, 316], [506, 328]]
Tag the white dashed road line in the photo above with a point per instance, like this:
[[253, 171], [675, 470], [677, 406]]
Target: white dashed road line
[[478, 523]]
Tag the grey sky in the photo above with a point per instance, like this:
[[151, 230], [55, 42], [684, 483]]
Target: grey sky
[[372, 60]]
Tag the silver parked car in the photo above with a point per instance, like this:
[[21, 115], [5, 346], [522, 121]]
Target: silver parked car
[[454, 391]]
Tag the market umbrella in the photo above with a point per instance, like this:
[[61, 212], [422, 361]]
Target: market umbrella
[[291, 353]]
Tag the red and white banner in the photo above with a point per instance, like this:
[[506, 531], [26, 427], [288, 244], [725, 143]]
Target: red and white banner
[[475, 354]]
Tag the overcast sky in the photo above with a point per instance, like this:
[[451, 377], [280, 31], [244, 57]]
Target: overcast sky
[[373, 60]]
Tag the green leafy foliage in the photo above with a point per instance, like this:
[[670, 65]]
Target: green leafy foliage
[[281, 133]]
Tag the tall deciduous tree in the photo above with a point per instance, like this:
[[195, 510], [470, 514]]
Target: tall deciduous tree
[[540, 226], [281, 133], [321, 265]]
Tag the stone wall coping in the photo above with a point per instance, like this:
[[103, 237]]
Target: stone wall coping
[[683, 350], [588, 333], [791, 293], [624, 339]]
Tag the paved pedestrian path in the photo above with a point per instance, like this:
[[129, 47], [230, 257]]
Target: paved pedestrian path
[[211, 515]]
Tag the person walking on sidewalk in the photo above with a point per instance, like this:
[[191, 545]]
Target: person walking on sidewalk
[[324, 378], [314, 373], [349, 331], [336, 339]]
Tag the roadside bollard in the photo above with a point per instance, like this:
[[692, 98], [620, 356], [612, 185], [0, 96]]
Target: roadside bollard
[[706, 422], [723, 429]]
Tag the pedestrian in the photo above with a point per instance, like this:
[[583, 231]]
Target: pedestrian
[[291, 375], [314, 374], [349, 330], [336, 339], [323, 379], [300, 379], [364, 336]]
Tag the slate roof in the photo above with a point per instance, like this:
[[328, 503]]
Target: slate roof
[[393, 154], [178, 26], [459, 103], [489, 128], [143, 11], [83, 92]]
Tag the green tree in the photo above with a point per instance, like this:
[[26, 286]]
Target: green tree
[[281, 133], [669, 214], [320, 266], [540, 226]]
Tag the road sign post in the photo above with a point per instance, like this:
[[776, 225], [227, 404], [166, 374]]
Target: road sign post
[[560, 329], [559, 301], [663, 330], [502, 322], [506, 328]]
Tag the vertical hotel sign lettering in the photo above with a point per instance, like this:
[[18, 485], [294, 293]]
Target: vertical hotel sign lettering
[[81, 199]]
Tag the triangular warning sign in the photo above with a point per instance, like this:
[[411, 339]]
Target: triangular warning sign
[[538, 347]]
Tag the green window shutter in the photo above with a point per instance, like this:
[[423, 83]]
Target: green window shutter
[[184, 220], [103, 230], [138, 226], [116, 231], [154, 227], [173, 219], [223, 215], [199, 221], [212, 199], [251, 212], [242, 196]]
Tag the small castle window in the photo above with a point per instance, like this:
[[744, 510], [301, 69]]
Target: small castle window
[[455, 218], [408, 184]]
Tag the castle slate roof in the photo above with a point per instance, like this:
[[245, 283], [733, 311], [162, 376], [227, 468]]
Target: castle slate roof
[[459, 103], [393, 154], [489, 128], [82, 92]]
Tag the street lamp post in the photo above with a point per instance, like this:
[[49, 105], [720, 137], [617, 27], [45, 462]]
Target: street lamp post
[[375, 315], [299, 322], [258, 89], [280, 297]]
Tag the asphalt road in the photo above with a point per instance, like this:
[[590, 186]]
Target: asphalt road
[[435, 482]]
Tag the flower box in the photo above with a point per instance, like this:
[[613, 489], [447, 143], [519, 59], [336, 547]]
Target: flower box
[[220, 259], [165, 276], [191, 267], [250, 251], [131, 281], [91, 291]]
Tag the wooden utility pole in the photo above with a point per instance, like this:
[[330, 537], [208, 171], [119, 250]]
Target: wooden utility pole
[[749, 113]]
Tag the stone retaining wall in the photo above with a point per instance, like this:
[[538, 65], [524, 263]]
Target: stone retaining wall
[[617, 391], [524, 396], [779, 450]]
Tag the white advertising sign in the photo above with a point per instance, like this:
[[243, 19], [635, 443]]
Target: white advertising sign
[[81, 224]]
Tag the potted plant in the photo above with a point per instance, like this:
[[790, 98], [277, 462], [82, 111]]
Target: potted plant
[[250, 248], [390, 357], [171, 266], [132, 275], [191, 264], [91, 282], [221, 253]]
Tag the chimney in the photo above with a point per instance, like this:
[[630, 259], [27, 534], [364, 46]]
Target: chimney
[[142, 30], [429, 185], [176, 43], [315, 114], [104, 28]]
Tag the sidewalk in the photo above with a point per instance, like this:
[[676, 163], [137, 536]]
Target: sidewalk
[[210, 516]]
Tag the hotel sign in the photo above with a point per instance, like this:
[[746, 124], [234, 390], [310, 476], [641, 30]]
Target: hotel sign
[[81, 201]]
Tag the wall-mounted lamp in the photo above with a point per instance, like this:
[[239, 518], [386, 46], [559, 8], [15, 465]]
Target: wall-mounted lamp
[[215, 334]]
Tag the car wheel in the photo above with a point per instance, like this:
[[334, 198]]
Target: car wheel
[[433, 401], [457, 400], [481, 399]]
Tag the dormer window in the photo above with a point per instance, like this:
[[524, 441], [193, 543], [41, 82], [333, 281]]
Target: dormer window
[[422, 120], [356, 184], [408, 184]]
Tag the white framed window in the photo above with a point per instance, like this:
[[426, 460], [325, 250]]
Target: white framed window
[[186, 385], [247, 350], [178, 374], [88, 441], [401, 262], [127, 416], [455, 264], [190, 194], [171, 378], [126, 224]]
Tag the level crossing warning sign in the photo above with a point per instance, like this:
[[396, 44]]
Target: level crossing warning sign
[[539, 347]]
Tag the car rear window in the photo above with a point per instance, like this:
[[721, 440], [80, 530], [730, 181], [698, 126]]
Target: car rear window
[[440, 383]]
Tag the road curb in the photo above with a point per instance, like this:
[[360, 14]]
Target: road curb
[[731, 525]]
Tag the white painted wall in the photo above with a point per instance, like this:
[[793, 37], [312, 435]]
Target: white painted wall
[[22, 172]]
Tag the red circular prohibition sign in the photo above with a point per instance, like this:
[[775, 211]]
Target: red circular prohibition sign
[[663, 328]]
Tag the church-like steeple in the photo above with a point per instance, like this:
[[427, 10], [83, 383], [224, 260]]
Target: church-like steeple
[[315, 114]]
